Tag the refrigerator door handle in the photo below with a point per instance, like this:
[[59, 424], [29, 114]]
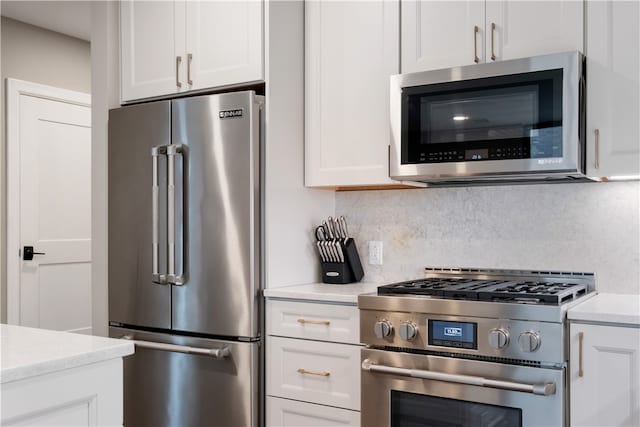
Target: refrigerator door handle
[[216, 353], [172, 277], [156, 276]]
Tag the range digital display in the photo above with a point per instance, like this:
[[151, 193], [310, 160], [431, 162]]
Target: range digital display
[[453, 334]]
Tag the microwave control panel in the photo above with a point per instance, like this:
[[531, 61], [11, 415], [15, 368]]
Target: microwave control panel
[[503, 152]]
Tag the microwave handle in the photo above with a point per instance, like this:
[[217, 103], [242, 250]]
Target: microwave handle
[[545, 389]]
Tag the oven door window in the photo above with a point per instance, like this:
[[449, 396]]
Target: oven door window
[[413, 410], [499, 118]]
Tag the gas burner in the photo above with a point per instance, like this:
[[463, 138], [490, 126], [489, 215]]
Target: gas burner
[[506, 286]]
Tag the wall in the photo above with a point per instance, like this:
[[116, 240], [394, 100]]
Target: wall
[[104, 95], [591, 227], [41, 56], [291, 210]]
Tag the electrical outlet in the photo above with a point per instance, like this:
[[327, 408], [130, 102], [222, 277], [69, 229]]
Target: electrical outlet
[[375, 252]]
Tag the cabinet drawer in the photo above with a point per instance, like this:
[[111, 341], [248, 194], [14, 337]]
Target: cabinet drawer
[[325, 322], [318, 372], [290, 413]]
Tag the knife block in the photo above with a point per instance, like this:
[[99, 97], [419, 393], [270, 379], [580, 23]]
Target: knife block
[[349, 271]]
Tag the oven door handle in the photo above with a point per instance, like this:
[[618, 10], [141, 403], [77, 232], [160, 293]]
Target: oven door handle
[[545, 389]]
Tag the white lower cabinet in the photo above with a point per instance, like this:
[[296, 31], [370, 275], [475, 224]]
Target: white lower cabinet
[[89, 395], [291, 413], [314, 371], [604, 375], [312, 364]]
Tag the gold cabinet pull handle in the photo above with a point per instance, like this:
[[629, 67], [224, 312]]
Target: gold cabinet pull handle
[[314, 322], [493, 30], [178, 62], [189, 58], [475, 44], [580, 340], [318, 373], [597, 148]]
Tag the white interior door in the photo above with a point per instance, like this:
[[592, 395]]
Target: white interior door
[[49, 207]]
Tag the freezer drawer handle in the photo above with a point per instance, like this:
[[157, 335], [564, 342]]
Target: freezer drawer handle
[[545, 389], [217, 353]]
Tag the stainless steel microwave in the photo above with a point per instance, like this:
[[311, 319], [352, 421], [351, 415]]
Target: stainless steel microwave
[[502, 122]]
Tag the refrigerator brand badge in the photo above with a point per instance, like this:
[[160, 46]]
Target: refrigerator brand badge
[[227, 114]]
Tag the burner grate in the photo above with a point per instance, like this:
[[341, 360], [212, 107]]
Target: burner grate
[[523, 292]]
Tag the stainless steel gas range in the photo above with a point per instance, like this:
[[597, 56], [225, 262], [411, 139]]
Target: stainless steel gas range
[[469, 347]]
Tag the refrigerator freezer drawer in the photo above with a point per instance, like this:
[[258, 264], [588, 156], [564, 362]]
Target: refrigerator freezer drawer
[[175, 381]]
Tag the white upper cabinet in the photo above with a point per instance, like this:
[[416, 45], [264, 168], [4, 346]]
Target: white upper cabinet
[[150, 47], [530, 28], [224, 39], [170, 47], [441, 34], [613, 89], [351, 49]]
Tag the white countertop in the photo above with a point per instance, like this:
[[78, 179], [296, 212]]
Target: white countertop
[[28, 352], [323, 292], [608, 308]]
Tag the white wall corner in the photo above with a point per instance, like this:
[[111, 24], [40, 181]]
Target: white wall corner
[[105, 90], [292, 211]]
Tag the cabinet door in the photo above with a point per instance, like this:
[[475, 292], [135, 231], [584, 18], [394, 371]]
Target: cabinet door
[[441, 34], [224, 39], [530, 28], [313, 321], [314, 371], [151, 39], [608, 392], [613, 89], [291, 413], [89, 395], [351, 49]]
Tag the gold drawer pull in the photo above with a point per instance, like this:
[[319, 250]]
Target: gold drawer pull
[[314, 322], [319, 373]]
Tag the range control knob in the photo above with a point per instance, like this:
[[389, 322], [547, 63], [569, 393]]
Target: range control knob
[[408, 331], [529, 341], [498, 338], [382, 328]]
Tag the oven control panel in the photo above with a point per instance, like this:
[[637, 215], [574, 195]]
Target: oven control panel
[[514, 339]]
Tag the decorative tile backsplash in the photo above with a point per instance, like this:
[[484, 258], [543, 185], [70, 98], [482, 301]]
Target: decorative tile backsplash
[[591, 227]]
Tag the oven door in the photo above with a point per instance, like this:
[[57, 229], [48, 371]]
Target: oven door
[[403, 389]]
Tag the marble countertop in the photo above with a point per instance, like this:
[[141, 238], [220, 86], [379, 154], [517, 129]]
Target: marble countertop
[[608, 308], [28, 352], [323, 292]]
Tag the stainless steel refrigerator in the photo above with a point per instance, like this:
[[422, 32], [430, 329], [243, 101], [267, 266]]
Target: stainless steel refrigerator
[[185, 258]]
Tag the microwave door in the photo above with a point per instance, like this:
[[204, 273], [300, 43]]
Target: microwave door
[[509, 120]]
